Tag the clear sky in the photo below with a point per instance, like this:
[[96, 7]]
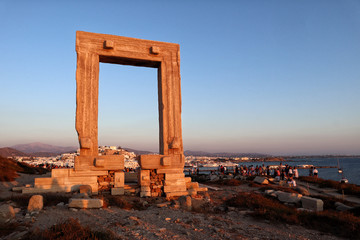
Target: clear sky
[[267, 76]]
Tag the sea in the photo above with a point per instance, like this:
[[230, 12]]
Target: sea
[[349, 165]]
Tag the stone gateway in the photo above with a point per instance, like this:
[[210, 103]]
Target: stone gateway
[[159, 174]]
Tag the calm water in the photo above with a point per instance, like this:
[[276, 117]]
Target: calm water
[[350, 166]]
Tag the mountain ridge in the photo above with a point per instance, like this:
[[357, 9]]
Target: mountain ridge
[[38, 147]]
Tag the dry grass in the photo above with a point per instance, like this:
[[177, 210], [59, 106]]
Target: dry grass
[[348, 188], [344, 224], [229, 182], [9, 169], [68, 230]]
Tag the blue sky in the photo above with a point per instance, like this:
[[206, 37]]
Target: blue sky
[[277, 77]]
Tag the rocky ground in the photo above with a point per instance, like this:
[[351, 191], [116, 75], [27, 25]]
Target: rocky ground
[[161, 218]]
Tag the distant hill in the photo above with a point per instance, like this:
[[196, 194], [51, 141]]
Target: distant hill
[[10, 152], [224, 154], [40, 148]]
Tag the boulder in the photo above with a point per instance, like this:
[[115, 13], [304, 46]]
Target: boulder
[[36, 203], [214, 178], [261, 180], [85, 203], [85, 189], [6, 213], [302, 190], [185, 202], [269, 191], [313, 204], [342, 207], [288, 197]]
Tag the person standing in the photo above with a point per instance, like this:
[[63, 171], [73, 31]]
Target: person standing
[[296, 173], [315, 172]]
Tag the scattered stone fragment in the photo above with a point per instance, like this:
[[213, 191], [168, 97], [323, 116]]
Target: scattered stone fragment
[[167, 219], [302, 190], [313, 204], [342, 207], [6, 213], [288, 197], [261, 180], [36, 203]]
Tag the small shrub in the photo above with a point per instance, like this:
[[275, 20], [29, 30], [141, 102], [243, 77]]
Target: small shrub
[[229, 182], [264, 207], [68, 230]]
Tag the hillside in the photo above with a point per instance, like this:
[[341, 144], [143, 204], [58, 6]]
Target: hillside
[[10, 152]]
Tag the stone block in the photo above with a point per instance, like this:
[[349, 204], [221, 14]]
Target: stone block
[[313, 204], [187, 179], [261, 180], [85, 203], [119, 179], [288, 197], [165, 161], [170, 170], [144, 177], [84, 173], [110, 162], [174, 188], [117, 191], [60, 172], [192, 185], [176, 194], [175, 182], [174, 176], [36, 203]]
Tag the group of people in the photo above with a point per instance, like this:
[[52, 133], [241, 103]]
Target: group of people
[[284, 173]]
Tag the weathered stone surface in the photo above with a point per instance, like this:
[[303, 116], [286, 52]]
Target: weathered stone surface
[[313, 204], [6, 213], [288, 197], [85, 203], [36, 203], [261, 180]]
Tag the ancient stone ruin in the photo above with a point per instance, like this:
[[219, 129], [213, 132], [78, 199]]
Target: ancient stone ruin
[[159, 175]]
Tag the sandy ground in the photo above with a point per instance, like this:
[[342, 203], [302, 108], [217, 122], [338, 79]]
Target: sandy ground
[[165, 222]]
